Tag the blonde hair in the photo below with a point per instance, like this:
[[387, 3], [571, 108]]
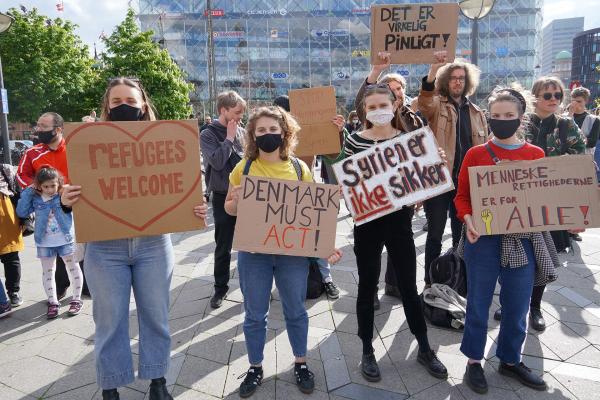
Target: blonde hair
[[148, 108], [289, 128], [472, 73], [229, 99], [393, 77]]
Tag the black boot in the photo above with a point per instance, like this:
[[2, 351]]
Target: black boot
[[475, 378], [537, 319], [523, 375], [433, 364], [110, 394], [158, 390], [369, 368]]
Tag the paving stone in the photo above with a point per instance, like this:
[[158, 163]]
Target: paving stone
[[590, 356], [8, 393], [68, 349], [563, 341], [442, 391], [32, 375], [581, 388], [356, 391], [576, 315], [203, 375], [287, 391], [494, 393], [391, 323], [323, 320], [211, 347], [81, 393], [336, 372], [124, 393], [20, 350], [555, 391], [591, 333], [76, 376], [186, 309], [183, 393], [351, 345]]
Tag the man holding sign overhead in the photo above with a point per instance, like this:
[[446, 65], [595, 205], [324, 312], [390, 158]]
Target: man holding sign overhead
[[458, 125]]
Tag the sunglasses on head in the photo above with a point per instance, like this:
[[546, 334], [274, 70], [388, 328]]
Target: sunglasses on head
[[548, 96], [382, 86]]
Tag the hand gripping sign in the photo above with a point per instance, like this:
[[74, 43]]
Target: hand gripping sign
[[555, 193], [393, 174], [137, 178], [286, 217]]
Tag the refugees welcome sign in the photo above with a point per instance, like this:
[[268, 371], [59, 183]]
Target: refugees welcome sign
[[390, 175], [413, 32]]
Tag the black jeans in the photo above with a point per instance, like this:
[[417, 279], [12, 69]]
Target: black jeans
[[395, 232], [12, 271], [224, 228], [437, 210]]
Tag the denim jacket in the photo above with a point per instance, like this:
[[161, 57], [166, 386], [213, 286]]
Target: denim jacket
[[32, 202]]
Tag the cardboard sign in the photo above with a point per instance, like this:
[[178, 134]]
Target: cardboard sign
[[314, 109], [413, 32], [286, 217], [137, 178], [392, 174], [549, 194]]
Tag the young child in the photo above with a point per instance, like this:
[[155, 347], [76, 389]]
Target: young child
[[53, 235]]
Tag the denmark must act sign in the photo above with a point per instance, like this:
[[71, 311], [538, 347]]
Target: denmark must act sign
[[393, 174]]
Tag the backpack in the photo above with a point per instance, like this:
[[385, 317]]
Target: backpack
[[448, 269], [28, 222], [314, 285]]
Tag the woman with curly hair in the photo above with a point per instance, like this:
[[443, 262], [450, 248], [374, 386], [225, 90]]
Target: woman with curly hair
[[271, 136]]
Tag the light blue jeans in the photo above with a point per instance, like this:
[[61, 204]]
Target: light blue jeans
[[325, 270], [256, 273], [112, 269]]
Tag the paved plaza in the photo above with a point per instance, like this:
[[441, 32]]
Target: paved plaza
[[41, 359]]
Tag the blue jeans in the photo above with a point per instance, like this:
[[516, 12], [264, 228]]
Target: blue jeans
[[256, 273], [324, 269], [483, 270], [597, 159], [3, 297], [112, 269]]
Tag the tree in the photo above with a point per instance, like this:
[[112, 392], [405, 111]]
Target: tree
[[46, 68], [132, 53]]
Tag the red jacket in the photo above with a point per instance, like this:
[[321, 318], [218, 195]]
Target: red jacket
[[38, 156], [479, 156]]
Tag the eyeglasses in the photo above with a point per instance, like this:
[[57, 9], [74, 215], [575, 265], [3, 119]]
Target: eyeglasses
[[460, 79], [548, 96], [38, 128]]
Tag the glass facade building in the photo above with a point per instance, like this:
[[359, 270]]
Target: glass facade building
[[585, 68], [263, 48]]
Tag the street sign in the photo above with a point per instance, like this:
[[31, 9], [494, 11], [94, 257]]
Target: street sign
[[4, 96]]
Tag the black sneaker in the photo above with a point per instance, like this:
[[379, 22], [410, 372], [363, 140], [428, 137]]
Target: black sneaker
[[523, 374], [253, 380], [376, 303], [498, 314], [305, 380], [332, 290], [369, 368], [536, 320], [158, 390], [475, 378], [433, 364], [5, 309], [576, 237], [110, 394], [15, 299], [217, 300]]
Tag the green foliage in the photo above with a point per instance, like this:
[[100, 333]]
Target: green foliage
[[132, 53], [46, 68]]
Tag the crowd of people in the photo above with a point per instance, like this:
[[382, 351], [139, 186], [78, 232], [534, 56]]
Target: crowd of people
[[517, 124]]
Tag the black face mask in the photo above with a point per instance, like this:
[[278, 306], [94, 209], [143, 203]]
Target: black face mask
[[269, 142], [504, 128], [46, 137], [125, 112]]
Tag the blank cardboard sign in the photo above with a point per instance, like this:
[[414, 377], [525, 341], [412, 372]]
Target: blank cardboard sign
[[413, 32], [137, 178], [286, 217], [314, 109], [549, 194]]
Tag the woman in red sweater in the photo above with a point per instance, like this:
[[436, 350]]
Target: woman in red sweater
[[509, 258]]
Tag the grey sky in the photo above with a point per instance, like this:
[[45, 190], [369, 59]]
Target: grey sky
[[95, 16]]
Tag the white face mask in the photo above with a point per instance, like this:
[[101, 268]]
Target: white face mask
[[380, 117]]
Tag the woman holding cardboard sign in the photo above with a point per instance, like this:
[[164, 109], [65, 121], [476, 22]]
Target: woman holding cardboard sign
[[114, 267], [269, 145], [514, 259], [394, 230]]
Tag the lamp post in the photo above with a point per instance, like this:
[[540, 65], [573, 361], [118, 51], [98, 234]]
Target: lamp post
[[5, 22], [475, 10]]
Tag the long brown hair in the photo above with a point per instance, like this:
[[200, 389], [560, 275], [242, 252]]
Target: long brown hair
[[289, 128], [149, 113], [442, 80]]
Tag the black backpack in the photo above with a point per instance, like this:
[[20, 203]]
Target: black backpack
[[314, 285], [448, 269]]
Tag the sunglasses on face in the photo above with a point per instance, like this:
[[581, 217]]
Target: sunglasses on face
[[548, 96]]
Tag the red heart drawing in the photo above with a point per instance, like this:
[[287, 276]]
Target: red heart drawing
[[138, 138]]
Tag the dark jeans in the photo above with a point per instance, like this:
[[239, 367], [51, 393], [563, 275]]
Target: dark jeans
[[224, 228], [395, 232], [437, 210], [61, 276], [12, 271]]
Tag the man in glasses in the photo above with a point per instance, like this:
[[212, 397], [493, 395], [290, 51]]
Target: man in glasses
[[457, 125], [50, 150]]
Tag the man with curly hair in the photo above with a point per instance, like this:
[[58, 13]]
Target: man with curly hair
[[458, 125]]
